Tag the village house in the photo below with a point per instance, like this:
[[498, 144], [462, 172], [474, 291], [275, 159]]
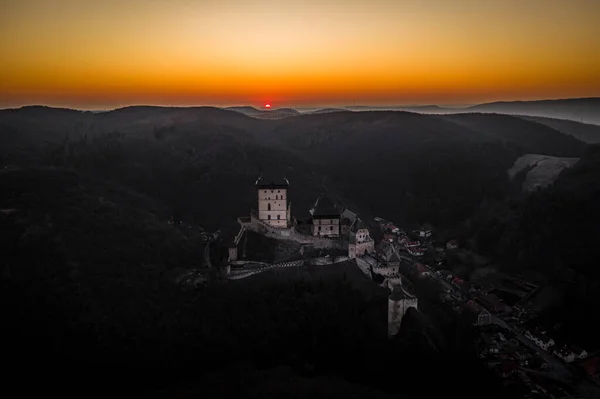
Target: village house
[[274, 208], [325, 217], [579, 353], [564, 353], [415, 251], [422, 270], [482, 315], [492, 303], [540, 339], [407, 243], [389, 237], [452, 245], [424, 233], [391, 228], [360, 241]]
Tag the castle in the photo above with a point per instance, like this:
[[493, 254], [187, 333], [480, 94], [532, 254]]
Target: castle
[[274, 208]]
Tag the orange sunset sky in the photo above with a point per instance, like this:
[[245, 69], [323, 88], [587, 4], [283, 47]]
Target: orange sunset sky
[[109, 53]]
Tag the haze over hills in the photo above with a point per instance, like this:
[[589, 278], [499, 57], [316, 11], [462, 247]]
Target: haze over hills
[[585, 110], [183, 154]]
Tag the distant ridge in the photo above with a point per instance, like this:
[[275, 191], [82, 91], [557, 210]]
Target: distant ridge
[[264, 114], [328, 110]]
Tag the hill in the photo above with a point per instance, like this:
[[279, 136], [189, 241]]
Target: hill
[[553, 231], [328, 110], [201, 162], [582, 131], [576, 109], [265, 114], [85, 278]]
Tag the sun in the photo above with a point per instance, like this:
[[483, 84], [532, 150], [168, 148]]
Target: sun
[[267, 105]]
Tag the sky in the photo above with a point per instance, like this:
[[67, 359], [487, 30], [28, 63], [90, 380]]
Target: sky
[[111, 53]]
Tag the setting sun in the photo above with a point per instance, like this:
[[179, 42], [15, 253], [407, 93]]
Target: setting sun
[[267, 105]]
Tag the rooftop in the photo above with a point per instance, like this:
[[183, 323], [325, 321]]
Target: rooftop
[[348, 214], [325, 207], [266, 181], [358, 225]]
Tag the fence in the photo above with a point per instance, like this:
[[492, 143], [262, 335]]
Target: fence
[[244, 274]]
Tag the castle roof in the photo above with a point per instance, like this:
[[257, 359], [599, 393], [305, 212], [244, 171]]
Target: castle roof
[[265, 181], [358, 225], [325, 207], [349, 215]]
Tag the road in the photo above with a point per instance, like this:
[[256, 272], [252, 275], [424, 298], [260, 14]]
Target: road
[[559, 370]]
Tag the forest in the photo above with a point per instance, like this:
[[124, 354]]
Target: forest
[[89, 257]]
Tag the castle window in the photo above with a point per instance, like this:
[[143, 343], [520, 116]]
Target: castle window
[[271, 191], [268, 207], [330, 228], [265, 191], [319, 228], [278, 217], [269, 217], [277, 190]]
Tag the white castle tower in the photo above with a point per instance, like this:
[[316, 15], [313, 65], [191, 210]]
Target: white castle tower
[[273, 205]]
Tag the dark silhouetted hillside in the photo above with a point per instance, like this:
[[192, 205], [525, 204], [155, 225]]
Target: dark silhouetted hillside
[[554, 231], [582, 131], [201, 162]]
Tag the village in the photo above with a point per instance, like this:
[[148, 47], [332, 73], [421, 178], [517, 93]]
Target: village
[[510, 341]]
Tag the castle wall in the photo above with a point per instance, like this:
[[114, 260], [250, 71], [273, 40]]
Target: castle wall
[[396, 311], [291, 234]]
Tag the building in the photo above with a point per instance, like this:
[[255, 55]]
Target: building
[[492, 303], [540, 339], [565, 354], [579, 353], [391, 228], [389, 237], [325, 217], [360, 241], [400, 300], [452, 245], [274, 208], [415, 251], [482, 315], [406, 242], [422, 270], [425, 233]]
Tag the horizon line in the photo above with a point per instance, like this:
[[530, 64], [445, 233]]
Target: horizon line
[[290, 106]]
